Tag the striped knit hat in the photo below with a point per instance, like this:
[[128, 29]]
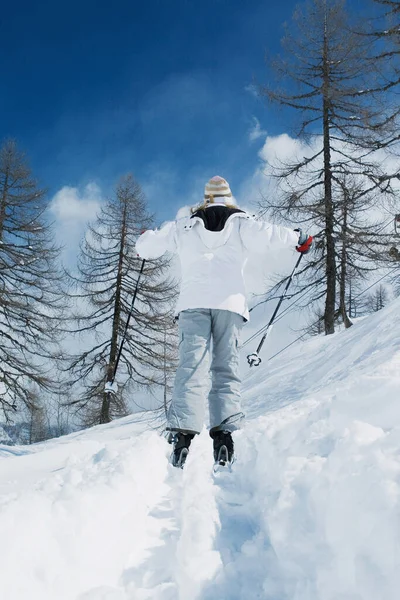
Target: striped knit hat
[[217, 186]]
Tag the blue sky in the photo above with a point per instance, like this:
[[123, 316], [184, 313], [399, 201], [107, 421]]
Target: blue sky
[[92, 90]]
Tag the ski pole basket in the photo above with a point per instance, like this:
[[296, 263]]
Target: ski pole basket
[[253, 359]]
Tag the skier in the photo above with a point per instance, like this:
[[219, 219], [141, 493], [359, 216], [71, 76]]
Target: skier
[[212, 244]]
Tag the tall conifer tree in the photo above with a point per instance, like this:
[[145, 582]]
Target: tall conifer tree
[[108, 272], [30, 296]]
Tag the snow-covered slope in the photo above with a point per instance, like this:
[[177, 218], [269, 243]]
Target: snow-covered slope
[[310, 511]]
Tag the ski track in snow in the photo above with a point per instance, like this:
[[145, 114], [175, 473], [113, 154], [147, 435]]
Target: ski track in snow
[[183, 557], [213, 539], [243, 544], [210, 539], [310, 511]]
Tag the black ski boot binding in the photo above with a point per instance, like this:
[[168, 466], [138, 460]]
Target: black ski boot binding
[[223, 448], [181, 443]]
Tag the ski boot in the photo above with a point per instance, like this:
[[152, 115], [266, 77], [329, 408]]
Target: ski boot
[[223, 448], [181, 442]]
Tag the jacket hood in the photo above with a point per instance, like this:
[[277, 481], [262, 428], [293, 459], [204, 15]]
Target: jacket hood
[[223, 223], [215, 216]]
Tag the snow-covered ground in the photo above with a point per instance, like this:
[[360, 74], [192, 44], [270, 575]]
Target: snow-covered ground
[[311, 510]]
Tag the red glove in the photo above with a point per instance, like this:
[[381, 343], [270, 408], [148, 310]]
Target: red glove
[[305, 242]]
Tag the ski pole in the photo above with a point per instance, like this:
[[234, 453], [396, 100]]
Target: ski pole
[[254, 359], [109, 387]]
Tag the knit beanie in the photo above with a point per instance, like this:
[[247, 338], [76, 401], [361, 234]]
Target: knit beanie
[[217, 186]]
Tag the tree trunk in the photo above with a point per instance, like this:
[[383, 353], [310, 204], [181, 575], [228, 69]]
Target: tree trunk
[[165, 376], [343, 270], [329, 315], [105, 416]]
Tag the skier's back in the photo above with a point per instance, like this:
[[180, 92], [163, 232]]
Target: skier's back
[[213, 245]]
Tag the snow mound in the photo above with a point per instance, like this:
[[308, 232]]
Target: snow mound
[[309, 512]]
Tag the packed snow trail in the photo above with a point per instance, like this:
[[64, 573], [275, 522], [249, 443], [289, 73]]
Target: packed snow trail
[[311, 510]]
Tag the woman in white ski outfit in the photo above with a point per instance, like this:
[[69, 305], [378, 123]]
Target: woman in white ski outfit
[[212, 245]]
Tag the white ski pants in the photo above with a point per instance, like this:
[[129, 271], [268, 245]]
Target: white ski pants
[[197, 328]]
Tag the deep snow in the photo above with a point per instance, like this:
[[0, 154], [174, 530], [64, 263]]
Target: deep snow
[[309, 512]]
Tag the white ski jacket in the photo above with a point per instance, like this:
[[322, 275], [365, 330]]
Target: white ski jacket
[[212, 262]]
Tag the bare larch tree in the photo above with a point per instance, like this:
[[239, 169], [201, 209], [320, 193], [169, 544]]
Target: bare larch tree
[[30, 296], [377, 300], [321, 76], [108, 272]]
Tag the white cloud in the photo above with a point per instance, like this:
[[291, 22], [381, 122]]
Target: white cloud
[[282, 148], [252, 89], [276, 151], [256, 132], [72, 208], [71, 204]]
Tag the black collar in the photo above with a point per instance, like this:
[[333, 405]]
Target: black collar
[[215, 217]]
